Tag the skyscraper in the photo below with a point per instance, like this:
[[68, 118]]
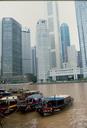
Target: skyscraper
[[26, 51], [11, 47], [42, 50], [72, 57], [34, 61], [81, 15], [65, 41], [54, 37]]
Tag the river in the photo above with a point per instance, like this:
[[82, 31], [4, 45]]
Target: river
[[73, 117]]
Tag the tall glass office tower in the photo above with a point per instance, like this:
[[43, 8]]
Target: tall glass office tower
[[11, 47], [81, 15], [54, 37], [42, 51], [26, 51], [65, 41]]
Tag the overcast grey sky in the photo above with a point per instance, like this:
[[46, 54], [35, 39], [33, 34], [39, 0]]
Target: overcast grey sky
[[28, 13]]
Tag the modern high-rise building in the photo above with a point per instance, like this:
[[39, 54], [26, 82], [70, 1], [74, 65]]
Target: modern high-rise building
[[54, 34], [26, 52], [42, 51], [65, 41], [81, 16], [11, 47], [34, 61], [72, 56]]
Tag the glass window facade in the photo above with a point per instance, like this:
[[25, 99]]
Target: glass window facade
[[81, 15], [50, 7], [65, 41], [52, 41], [50, 24], [53, 59], [11, 47], [42, 51]]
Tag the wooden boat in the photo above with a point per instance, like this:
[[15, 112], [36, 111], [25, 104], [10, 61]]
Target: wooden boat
[[8, 104], [30, 103], [53, 104], [4, 93]]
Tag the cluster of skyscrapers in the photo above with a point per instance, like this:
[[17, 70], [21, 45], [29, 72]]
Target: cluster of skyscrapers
[[57, 58], [15, 49], [53, 58]]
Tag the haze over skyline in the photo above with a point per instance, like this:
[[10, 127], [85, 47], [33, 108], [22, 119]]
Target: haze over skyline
[[29, 12]]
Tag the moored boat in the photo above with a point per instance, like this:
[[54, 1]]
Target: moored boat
[[53, 104], [4, 93], [30, 103], [8, 104]]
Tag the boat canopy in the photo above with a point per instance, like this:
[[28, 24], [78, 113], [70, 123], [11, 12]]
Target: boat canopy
[[65, 96], [9, 98], [34, 96], [53, 98]]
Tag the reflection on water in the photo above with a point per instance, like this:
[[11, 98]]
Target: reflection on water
[[73, 117]]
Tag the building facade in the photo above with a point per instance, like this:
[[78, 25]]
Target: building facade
[[79, 59], [81, 16], [72, 57], [54, 34], [42, 51], [26, 52], [65, 41], [11, 47], [34, 61], [66, 74]]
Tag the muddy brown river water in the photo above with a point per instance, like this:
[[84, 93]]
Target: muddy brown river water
[[73, 117]]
